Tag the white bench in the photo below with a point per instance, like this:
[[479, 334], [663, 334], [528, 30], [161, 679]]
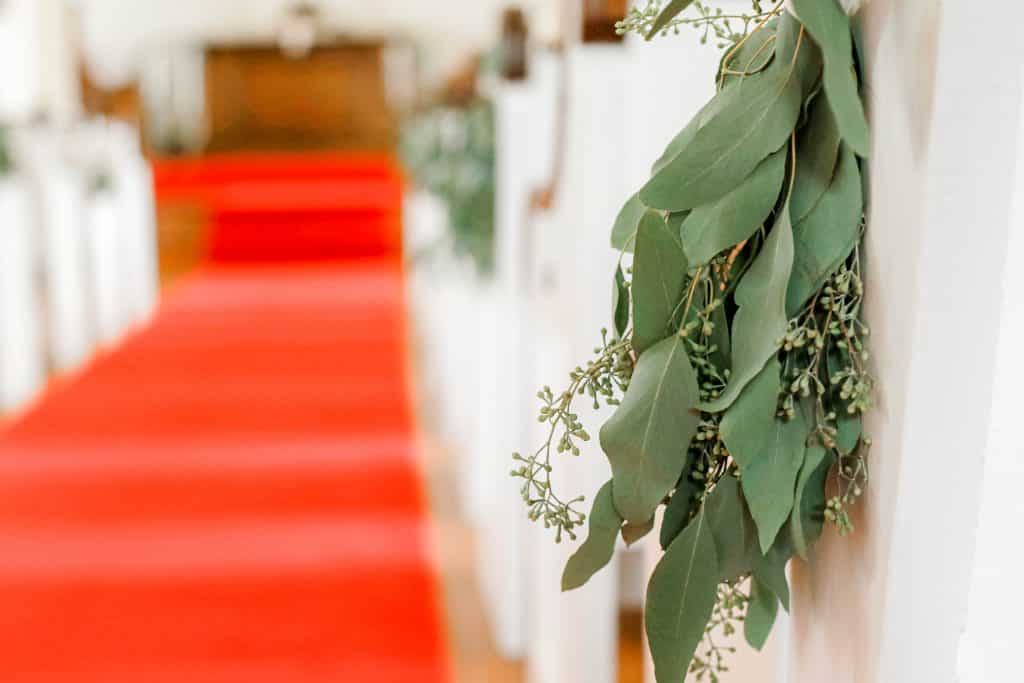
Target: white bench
[[58, 212], [22, 357]]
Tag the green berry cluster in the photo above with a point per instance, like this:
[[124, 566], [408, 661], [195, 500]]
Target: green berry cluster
[[710, 661], [712, 22], [604, 378]]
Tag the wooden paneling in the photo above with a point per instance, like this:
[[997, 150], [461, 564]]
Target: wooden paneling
[[333, 98], [181, 237], [124, 103], [599, 19]]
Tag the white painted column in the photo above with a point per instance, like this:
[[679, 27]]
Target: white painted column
[[509, 350], [58, 192], [136, 226], [60, 88], [121, 227], [22, 369], [484, 469], [574, 636], [503, 532], [890, 603], [458, 337], [990, 646], [102, 225], [66, 265], [20, 57]]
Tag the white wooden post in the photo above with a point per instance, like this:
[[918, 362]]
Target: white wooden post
[[455, 298], [104, 266], [424, 225], [990, 647], [20, 57], [574, 636], [58, 192], [502, 542], [137, 249], [71, 338], [889, 603], [481, 462], [22, 370]]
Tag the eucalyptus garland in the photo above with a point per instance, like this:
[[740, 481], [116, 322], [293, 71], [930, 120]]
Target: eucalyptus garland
[[737, 365], [450, 151]]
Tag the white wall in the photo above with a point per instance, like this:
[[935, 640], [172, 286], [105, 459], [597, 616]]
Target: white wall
[[889, 604], [37, 61], [990, 649], [20, 59], [118, 31]]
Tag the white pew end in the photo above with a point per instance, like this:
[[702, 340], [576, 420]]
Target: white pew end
[[102, 227], [58, 194], [22, 357]]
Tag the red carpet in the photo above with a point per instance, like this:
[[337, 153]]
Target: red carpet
[[233, 495]]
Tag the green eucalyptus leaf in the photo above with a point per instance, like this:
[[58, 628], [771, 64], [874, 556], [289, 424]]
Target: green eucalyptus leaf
[[620, 303], [828, 24], [750, 122], [722, 357], [770, 568], [677, 512], [680, 598], [631, 533], [624, 230], [850, 428], [684, 137], [817, 154], [670, 12], [675, 220], [753, 56], [715, 227], [809, 507], [827, 235], [659, 271], [597, 550], [761, 613], [748, 52], [768, 450], [647, 436], [733, 529], [709, 111], [681, 140], [761, 321]]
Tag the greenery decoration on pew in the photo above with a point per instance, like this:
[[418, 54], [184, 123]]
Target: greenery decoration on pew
[[6, 163], [450, 151], [737, 366]]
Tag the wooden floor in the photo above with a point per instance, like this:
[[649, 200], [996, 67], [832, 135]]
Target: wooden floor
[[475, 656]]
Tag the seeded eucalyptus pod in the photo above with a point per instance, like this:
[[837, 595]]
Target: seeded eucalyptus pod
[[737, 365]]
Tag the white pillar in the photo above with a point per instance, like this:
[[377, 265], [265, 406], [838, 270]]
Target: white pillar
[[990, 648], [66, 264], [22, 369], [58, 192], [524, 118], [132, 184], [574, 636], [20, 67], [58, 60], [102, 223], [503, 537], [889, 603]]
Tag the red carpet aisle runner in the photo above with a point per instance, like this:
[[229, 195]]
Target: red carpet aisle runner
[[233, 495]]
